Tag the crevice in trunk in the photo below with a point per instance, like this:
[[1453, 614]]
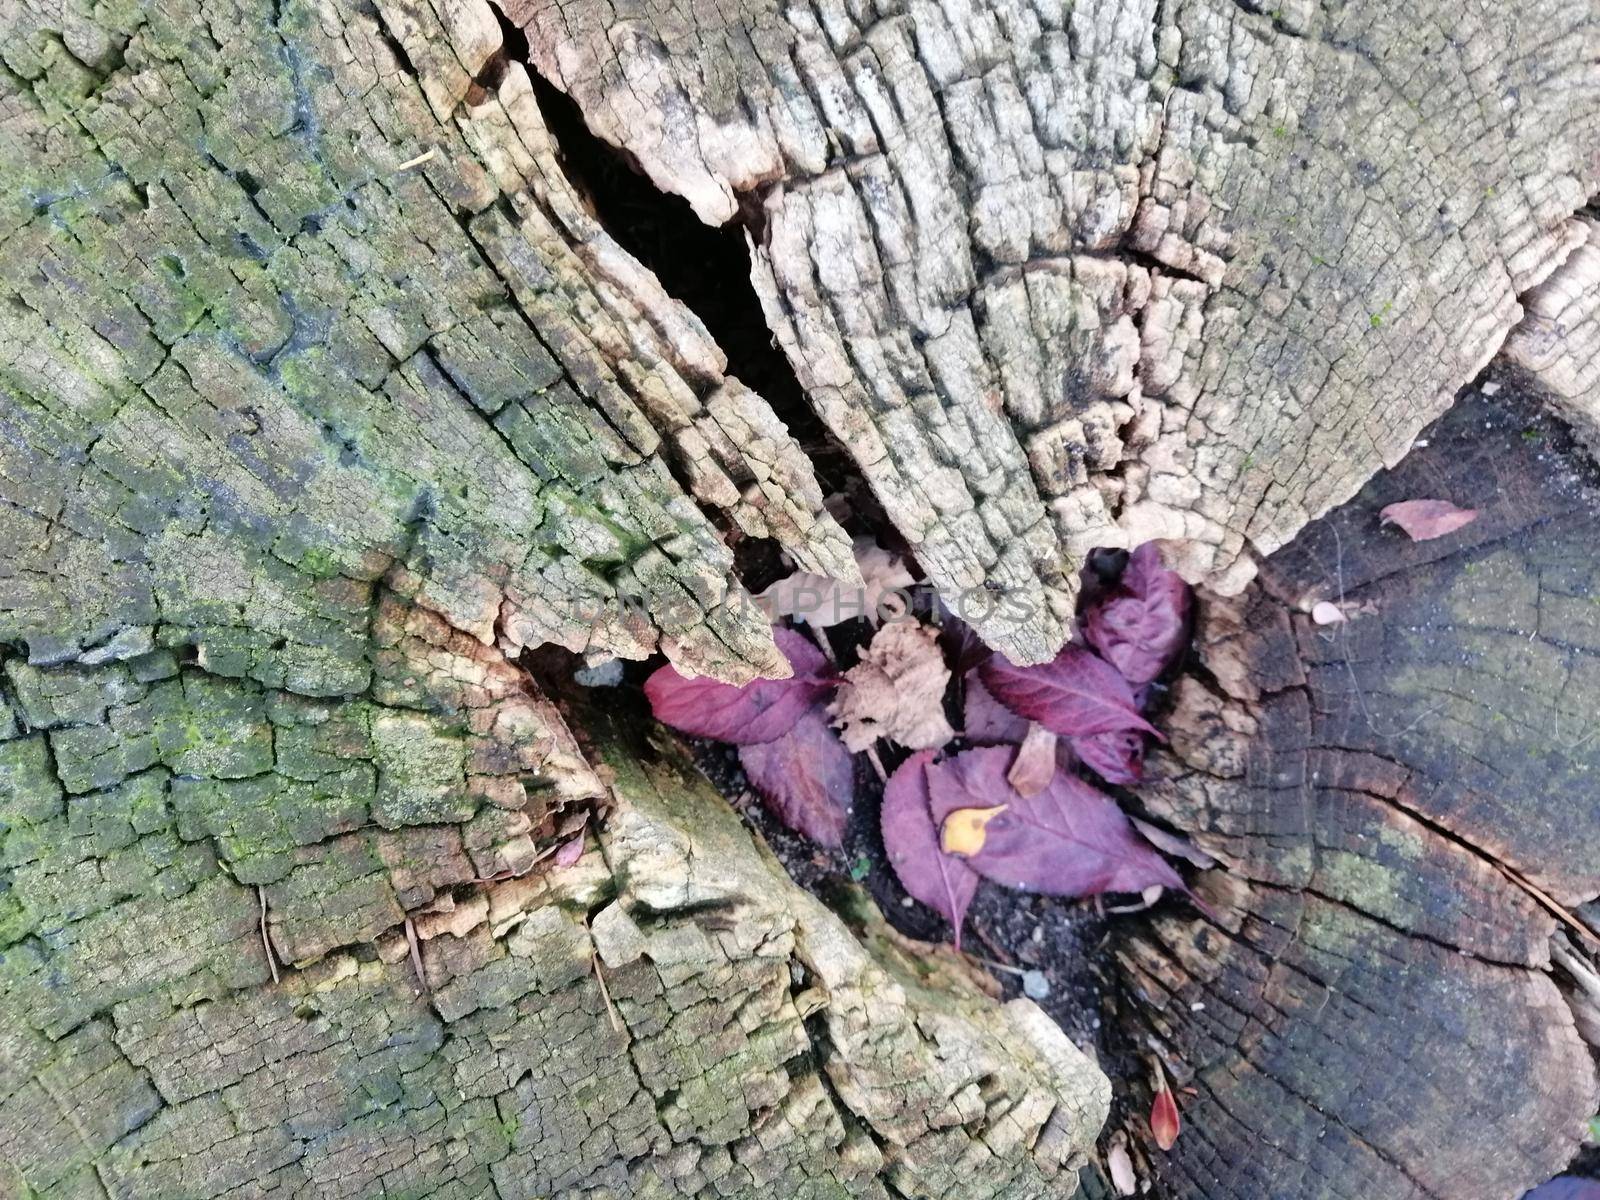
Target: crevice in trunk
[[707, 269]]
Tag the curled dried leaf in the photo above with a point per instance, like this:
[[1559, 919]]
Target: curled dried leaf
[[896, 691], [1140, 626]]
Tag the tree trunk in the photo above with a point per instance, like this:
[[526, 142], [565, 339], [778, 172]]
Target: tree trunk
[[326, 397], [1405, 809]]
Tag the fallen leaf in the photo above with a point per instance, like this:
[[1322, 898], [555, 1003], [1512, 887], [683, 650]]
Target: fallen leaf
[[1117, 757], [985, 718], [964, 648], [1326, 612], [1120, 1166], [758, 711], [896, 691], [823, 601], [805, 777], [1424, 520], [1164, 1122], [942, 881], [965, 829], [1075, 694], [884, 573], [1566, 1187], [1143, 623], [570, 852], [1035, 764], [1068, 840]]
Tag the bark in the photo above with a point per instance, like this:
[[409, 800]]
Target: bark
[[1404, 809], [325, 395], [1066, 276]]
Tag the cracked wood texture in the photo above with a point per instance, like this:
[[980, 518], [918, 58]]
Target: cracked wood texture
[[1375, 1014], [322, 395], [1066, 275]]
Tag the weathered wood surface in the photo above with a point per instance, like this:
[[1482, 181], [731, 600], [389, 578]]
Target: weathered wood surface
[[1088, 274], [321, 396], [1377, 1015], [669, 1017]]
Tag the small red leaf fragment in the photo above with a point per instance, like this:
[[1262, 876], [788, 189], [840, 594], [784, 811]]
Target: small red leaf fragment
[[758, 711], [1424, 520], [1075, 694], [806, 778], [1164, 1122]]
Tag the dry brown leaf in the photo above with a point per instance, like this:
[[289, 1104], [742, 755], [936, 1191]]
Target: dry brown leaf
[[896, 691], [966, 829], [822, 601], [1035, 765], [1424, 520]]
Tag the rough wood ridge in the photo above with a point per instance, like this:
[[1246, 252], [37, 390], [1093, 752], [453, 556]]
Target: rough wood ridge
[[1066, 275]]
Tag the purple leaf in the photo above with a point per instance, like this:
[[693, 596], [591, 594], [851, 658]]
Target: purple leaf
[[805, 777], [1069, 840], [1142, 625], [571, 851], [985, 719], [1075, 694], [1566, 1187], [758, 711], [942, 881], [1117, 757]]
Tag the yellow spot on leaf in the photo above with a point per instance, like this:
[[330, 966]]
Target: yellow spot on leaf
[[966, 829]]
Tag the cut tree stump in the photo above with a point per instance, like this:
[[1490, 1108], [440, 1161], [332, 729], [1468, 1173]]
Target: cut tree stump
[[1407, 808], [325, 396], [670, 1016]]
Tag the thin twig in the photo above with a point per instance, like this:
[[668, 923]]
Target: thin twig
[[266, 942], [877, 764], [425, 156], [605, 992], [416, 956], [1555, 908]]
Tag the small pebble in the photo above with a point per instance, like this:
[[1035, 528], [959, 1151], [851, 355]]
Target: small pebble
[[1034, 985], [606, 673]]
